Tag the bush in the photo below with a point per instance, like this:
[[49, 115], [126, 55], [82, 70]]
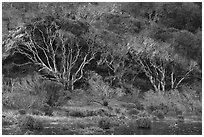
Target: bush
[[158, 113], [105, 103], [9, 118], [180, 118], [143, 114], [26, 123], [92, 131], [76, 113], [128, 105], [117, 110], [7, 121], [144, 122], [48, 110], [32, 92], [37, 112], [155, 101], [133, 112], [178, 102], [89, 113], [104, 112], [29, 123], [22, 111], [99, 89], [104, 123], [26, 92], [37, 125]]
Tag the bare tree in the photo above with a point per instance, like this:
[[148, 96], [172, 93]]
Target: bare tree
[[58, 53], [155, 58]]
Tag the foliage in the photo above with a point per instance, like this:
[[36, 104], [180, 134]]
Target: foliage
[[92, 131], [44, 49], [104, 123], [146, 56], [173, 101], [133, 112], [180, 118], [99, 89], [29, 123], [9, 118], [180, 15], [48, 110], [144, 122], [22, 111], [143, 114], [76, 113], [158, 113]]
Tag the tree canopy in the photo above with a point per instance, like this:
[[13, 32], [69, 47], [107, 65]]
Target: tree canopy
[[151, 42]]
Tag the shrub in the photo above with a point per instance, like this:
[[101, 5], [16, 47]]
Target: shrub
[[154, 101], [105, 103], [178, 102], [158, 113], [29, 133], [180, 118], [37, 112], [76, 113], [104, 123], [143, 114], [27, 122], [6, 121], [135, 116], [144, 122], [104, 112], [89, 113], [22, 111], [110, 108], [99, 89], [128, 105], [25, 93], [117, 110], [133, 112], [9, 118], [37, 125], [92, 131], [48, 110]]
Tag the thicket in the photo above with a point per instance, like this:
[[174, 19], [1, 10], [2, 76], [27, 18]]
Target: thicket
[[133, 51]]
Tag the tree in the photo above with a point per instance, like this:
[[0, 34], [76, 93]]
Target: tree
[[158, 61], [60, 55], [180, 15]]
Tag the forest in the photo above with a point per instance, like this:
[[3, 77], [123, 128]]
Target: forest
[[101, 68]]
